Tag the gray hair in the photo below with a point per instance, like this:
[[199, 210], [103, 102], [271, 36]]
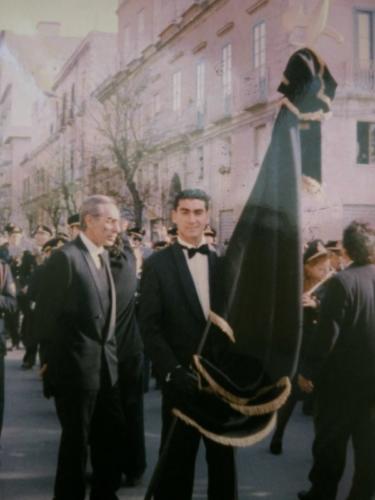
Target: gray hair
[[92, 206]]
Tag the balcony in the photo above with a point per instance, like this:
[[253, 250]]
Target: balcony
[[220, 108], [255, 88], [364, 78], [357, 82]]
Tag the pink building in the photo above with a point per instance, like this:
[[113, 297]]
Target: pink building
[[64, 144], [28, 65], [209, 72]]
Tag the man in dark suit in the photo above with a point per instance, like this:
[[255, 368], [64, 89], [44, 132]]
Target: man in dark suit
[[130, 358], [8, 304], [75, 316], [176, 294], [344, 383]]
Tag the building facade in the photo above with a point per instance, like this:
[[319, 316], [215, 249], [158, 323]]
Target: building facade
[[194, 98]]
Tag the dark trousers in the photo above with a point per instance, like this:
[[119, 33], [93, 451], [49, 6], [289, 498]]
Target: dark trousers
[[131, 395], [95, 418], [12, 321], [177, 476], [285, 412], [338, 417], [29, 338], [2, 389]]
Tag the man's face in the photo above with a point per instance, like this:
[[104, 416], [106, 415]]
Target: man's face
[[135, 241], [41, 237], [191, 218], [15, 239], [103, 229], [74, 231]]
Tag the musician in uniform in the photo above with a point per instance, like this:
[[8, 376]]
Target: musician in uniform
[[316, 271]]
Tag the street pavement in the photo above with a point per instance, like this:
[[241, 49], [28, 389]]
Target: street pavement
[[31, 434]]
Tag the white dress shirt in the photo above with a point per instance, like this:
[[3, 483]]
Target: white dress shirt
[[198, 267], [93, 249]]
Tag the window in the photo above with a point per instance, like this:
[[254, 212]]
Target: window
[[155, 177], [226, 63], [259, 144], [200, 86], [200, 155], [126, 42], [156, 104], [365, 41], [365, 28], [259, 48], [176, 82], [365, 143], [141, 22]]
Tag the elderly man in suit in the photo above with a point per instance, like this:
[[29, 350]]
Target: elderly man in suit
[[342, 369], [76, 315], [176, 291]]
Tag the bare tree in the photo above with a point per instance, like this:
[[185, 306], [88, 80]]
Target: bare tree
[[124, 127]]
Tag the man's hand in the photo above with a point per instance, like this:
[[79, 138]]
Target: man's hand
[[182, 380], [309, 301], [304, 384]]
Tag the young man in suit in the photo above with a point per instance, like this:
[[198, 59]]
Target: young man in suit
[[75, 316], [176, 293]]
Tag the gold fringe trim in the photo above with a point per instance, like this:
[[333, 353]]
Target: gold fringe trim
[[239, 403], [228, 396], [222, 324], [228, 441], [316, 116], [269, 407]]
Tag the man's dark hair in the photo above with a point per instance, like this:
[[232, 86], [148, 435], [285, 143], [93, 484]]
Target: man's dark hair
[[359, 242], [191, 194]]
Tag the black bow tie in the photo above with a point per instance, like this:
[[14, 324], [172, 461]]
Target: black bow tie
[[193, 250]]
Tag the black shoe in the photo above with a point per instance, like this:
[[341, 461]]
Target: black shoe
[[27, 366], [306, 495], [276, 447], [133, 481]]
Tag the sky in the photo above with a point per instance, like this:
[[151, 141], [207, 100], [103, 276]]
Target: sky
[[77, 17]]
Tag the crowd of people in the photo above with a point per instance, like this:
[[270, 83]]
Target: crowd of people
[[98, 305]]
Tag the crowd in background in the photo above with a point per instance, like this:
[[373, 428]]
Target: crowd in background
[[25, 259]]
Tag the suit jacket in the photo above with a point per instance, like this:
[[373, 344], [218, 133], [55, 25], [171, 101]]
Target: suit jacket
[[123, 266], [171, 317], [76, 335], [8, 301], [343, 349]]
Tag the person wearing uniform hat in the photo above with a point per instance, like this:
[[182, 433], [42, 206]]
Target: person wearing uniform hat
[[176, 290], [74, 225], [11, 253], [172, 234], [341, 369], [316, 269], [30, 334]]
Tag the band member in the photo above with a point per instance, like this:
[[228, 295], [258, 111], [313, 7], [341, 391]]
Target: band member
[[316, 271], [176, 290], [75, 318], [342, 372], [130, 357]]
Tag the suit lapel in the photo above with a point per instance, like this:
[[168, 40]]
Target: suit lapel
[[91, 266], [187, 281], [112, 317]]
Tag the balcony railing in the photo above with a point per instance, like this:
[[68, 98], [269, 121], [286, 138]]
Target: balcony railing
[[364, 78], [255, 88]]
